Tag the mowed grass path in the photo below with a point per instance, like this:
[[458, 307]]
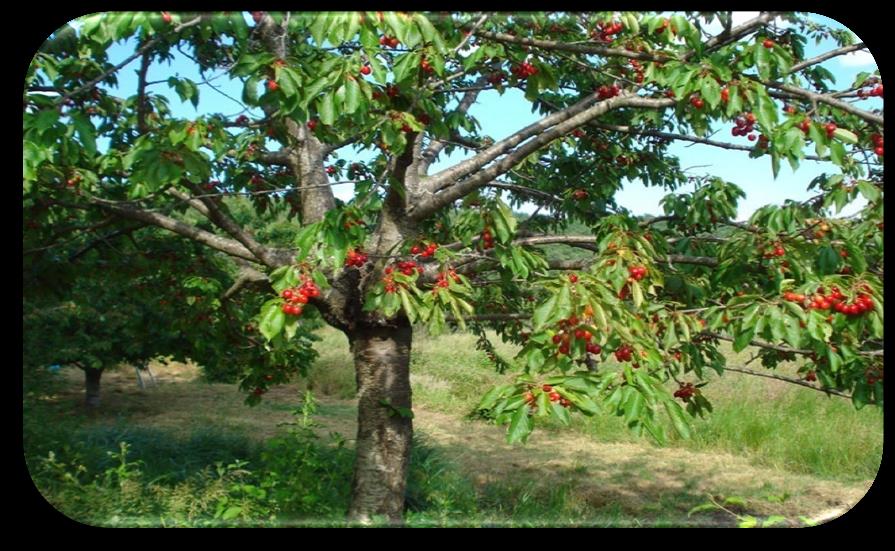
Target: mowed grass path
[[785, 450]]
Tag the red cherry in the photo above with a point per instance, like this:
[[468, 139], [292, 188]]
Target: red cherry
[[365, 70], [272, 85], [393, 42], [768, 43], [166, 17], [725, 95], [573, 278], [878, 150], [564, 348]]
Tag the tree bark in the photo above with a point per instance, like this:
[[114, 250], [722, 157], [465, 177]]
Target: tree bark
[[382, 362], [91, 385]]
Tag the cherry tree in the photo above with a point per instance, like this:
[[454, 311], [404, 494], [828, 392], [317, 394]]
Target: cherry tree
[[417, 246]]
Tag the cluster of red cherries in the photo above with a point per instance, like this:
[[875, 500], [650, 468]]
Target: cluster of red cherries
[[552, 394], [685, 392], [777, 251], [877, 144], [744, 125], [606, 92], [637, 272], [389, 41], [568, 330], [406, 267], [624, 353], [835, 300], [487, 239], [424, 250], [296, 296], [442, 281], [638, 70], [355, 258], [605, 32], [876, 89], [524, 70]]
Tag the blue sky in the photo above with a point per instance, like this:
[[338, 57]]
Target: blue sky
[[500, 116]]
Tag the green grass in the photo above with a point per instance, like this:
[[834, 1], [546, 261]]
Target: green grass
[[773, 423], [195, 475]]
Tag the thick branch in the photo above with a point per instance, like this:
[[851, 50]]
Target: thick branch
[[142, 104], [829, 100], [216, 211], [561, 122], [228, 246], [823, 57]]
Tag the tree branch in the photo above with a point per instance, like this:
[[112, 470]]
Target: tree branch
[[544, 131], [823, 57], [788, 380], [228, 246], [142, 105], [827, 99], [681, 137], [216, 211], [145, 48], [428, 156]]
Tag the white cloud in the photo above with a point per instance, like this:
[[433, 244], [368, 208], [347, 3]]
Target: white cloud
[[857, 59], [740, 17]]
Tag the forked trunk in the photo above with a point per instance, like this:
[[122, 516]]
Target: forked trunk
[[91, 385], [384, 426]]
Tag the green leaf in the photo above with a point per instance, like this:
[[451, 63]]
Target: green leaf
[[326, 109], [837, 153], [352, 96], [231, 512], [767, 110], [827, 260], [762, 61], [544, 314], [677, 419], [319, 26], [520, 426], [560, 413], [564, 302], [844, 135], [742, 340], [405, 64], [636, 294], [272, 319], [711, 91], [86, 132]]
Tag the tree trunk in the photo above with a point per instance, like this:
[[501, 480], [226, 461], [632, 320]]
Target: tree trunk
[[91, 383], [382, 362]]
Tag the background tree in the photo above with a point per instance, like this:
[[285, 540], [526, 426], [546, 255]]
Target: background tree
[[420, 246]]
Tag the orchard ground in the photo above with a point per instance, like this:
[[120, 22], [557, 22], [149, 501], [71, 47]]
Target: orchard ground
[[784, 450]]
